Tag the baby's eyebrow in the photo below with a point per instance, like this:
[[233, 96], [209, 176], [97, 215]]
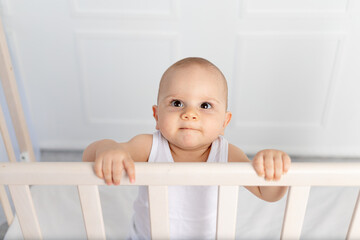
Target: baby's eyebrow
[[203, 99], [212, 100], [171, 97]]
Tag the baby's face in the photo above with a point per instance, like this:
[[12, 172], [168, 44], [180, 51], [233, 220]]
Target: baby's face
[[191, 111]]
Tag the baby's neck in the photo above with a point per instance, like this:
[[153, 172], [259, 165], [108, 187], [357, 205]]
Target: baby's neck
[[184, 155]]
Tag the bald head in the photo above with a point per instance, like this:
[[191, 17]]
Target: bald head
[[193, 62]]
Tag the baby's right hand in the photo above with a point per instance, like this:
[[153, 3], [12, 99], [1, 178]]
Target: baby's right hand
[[110, 160]]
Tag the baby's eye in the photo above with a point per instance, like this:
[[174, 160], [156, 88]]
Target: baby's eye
[[176, 103], [206, 105]]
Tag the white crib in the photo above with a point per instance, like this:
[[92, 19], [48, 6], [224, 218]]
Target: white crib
[[20, 176], [228, 176]]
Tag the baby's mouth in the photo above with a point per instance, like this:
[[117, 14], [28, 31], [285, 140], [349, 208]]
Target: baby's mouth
[[188, 128]]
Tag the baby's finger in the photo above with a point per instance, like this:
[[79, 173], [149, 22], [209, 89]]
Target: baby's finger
[[269, 167], [258, 164], [286, 162], [130, 169], [107, 170], [278, 165], [98, 167], [117, 168]]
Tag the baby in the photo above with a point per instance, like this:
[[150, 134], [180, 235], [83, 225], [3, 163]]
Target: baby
[[191, 116]]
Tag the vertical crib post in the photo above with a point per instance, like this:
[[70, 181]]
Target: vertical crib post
[[295, 212], [227, 212], [6, 205], [159, 212], [11, 155], [25, 211], [6, 137], [354, 228], [92, 213], [7, 77]]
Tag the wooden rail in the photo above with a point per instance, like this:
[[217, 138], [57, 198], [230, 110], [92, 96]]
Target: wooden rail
[[81, 173], [228, 176]]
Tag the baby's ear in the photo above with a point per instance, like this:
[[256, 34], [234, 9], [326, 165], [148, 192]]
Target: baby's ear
[[228, 116], [155, 114]]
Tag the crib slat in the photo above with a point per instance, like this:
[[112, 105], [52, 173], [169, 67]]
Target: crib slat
[[354, 228], [6, 205], [10, 89], [6, 137], [25, 211], [92, 213], [295, 212], [227, 210], [159, 212]]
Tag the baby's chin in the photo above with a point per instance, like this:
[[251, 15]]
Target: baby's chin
[[190, 140], [191, 144]]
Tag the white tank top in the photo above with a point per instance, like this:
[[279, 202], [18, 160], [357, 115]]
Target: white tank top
[[192, 209]]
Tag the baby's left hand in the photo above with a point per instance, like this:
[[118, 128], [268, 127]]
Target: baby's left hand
[[271, 164]]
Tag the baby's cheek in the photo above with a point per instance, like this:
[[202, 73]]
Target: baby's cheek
[[214, 128], [166, 127], [164, 122]]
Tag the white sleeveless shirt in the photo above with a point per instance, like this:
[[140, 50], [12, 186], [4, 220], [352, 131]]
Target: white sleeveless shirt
[[192, 209]]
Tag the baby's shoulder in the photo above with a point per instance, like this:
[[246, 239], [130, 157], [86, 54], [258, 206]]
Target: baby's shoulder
[[140, 147], [142, 138], [235, 154]]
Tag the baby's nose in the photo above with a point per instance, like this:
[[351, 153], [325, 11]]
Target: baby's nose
[[190, 114]]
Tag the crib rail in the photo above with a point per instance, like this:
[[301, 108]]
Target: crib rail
[[228, 176], [158, 174]]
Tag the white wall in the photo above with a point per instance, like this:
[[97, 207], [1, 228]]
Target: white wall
[[91, 68]]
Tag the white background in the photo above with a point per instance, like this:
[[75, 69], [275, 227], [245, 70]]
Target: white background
[[90, 69]]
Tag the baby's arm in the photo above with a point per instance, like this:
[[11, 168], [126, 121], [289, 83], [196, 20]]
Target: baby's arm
[[270, 164], [111, 157]]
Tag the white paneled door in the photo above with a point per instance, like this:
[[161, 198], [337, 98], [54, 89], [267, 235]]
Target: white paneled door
[[91, 68]]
